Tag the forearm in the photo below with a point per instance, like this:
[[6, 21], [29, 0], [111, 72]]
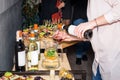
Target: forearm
[[94, 23], [99, 21], [72, 38], [111, 16]]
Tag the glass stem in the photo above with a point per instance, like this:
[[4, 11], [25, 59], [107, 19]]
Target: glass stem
[[52, 74]]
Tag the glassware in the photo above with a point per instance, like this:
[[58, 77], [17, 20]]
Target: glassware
[[65, 74], [50, 64], [51, 59]]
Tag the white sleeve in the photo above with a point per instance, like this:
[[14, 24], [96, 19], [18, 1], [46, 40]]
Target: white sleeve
[[114, 14]]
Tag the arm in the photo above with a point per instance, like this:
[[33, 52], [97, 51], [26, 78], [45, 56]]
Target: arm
[[114, 14], [111, 16]]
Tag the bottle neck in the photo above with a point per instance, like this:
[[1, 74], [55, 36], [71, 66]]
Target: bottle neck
[[18, 39], [32, 39], [70, 29], [65, 28], [36, 30], [18, 35]]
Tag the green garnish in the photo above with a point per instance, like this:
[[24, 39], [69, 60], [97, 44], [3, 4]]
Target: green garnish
[[51, 53]]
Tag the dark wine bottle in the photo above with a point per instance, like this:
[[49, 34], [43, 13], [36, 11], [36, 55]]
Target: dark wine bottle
[[19, 52], [70, 30]]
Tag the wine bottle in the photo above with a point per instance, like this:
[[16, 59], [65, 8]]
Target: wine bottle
[[32, 55], [70, 30], [19, 52], [37, 38]]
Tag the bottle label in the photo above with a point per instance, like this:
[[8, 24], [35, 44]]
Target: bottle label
[[34, 57], [29, 60], [71, 30], [21, 58], [29, 64], [38, 43]]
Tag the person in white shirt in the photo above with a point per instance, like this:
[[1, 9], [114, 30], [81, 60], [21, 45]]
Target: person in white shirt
[[104, 20]]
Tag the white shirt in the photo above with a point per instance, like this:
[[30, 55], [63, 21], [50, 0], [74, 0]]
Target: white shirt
[[106, 39]]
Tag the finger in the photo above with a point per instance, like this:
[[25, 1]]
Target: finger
[[78, 31], [80, 34]]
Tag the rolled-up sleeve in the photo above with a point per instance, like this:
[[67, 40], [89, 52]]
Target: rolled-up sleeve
[[114, 14]]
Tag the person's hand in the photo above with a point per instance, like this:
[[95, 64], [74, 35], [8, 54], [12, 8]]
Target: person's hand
[[59, 35], [63, 36], [81, 28]]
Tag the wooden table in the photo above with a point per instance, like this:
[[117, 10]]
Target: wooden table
[[67, 44], [64, 63], [44, 72]]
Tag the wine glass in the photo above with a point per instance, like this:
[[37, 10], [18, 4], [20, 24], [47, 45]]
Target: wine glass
[[65, 74], [51, 59]]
